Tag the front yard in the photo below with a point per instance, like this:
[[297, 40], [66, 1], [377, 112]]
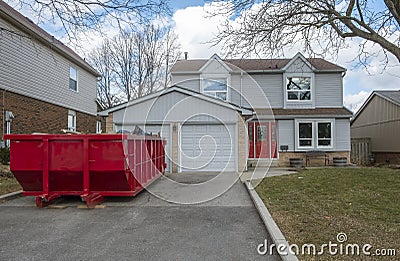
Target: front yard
[[315, 205]]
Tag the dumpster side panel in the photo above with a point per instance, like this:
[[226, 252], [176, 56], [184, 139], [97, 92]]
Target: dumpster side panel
[[26, 163], [66, 165]]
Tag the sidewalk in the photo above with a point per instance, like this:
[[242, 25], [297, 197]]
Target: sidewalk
[[263, 172]]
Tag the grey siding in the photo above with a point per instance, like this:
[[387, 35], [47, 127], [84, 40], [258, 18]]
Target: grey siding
[[188, 81], [215, 67], [380, 121], [286, 134], [174, 107], [29, 68], [329, 90], [342, 135]]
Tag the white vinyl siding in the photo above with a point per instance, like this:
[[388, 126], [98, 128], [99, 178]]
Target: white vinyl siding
[[286, 134], [342, 135], [34, 70], [329, 90]]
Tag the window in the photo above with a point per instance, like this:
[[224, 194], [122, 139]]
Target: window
[[98, 127], [261, 133], [324, 134], [298, 88], [216, 88], [305, 134], [315, 134], [71, 120], [73, 78]]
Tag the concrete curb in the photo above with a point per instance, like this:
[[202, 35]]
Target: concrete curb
[[273, 229], [11, 195]]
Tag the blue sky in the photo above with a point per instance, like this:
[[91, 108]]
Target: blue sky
[[194, 29]]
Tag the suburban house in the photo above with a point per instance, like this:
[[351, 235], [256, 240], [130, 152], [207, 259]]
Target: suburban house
[[44, 85], [378, 120], [224, 114]]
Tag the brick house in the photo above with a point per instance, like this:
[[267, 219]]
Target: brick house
[[226, 114], [44, 85]]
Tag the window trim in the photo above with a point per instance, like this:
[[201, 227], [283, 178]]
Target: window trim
[[98, 124], [215, 77], [300, 75], [73, 114], [77, 77], [314, 134]]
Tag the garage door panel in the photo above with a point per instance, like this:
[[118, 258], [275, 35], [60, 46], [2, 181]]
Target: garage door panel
[[215, 154]]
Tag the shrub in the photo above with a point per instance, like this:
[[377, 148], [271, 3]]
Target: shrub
[[4, 156]]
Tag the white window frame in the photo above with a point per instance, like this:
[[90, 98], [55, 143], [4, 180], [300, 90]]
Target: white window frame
[[98, 127], [216, 77], [69, 79], [298, 135], [73, 114], [317, 138], [299, 75], [314, 141]]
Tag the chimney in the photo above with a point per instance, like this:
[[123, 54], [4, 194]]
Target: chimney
[[186, 55]]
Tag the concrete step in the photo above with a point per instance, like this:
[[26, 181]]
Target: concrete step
[[252, 163]]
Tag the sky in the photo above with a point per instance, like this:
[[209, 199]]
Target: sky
[[195, 28]]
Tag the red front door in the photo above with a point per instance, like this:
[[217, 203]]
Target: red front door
[[262, 140]]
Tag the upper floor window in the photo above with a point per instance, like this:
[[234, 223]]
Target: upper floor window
[[216, 88], [73, 78], [298, 88]]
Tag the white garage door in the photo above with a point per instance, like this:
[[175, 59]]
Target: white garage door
[[208, 148], [164, 132]]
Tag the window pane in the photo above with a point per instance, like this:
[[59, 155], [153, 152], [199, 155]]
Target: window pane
[[324, 130], [305, 96], [214, 84], [305, 143], [72, 73], [293, 96], [72, 84], [221, 95], [324, 142], [298, 83], [305, 130], [261, 133]]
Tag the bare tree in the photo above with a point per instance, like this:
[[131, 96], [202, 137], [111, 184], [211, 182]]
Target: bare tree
[[134, 64], [76, 16], [321, 26]]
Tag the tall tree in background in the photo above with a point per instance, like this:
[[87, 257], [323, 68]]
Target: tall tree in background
[[138, 63], [102, 58], [321, 26], [88, 15]]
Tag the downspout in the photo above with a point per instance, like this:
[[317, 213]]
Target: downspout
[[241, 82]]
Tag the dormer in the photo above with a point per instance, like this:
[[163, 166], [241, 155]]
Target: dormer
[[215, 77], [299, 83]]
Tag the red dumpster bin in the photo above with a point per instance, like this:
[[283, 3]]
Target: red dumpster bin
[[87, 165]]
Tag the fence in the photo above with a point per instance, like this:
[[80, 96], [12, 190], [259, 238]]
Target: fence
[[360, 151]]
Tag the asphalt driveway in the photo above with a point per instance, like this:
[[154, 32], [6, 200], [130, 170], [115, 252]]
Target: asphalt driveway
[[140, 228]]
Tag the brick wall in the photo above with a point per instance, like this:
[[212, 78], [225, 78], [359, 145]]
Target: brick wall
[[32, 115], [285, 156]]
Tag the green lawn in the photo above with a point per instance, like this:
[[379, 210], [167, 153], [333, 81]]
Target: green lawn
[[314, 205]]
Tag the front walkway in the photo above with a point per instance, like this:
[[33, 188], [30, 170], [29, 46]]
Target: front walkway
[[263, 172]]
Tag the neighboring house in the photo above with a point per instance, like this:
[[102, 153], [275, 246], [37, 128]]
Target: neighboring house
[[250, 109], [379, 120], [44, 84]]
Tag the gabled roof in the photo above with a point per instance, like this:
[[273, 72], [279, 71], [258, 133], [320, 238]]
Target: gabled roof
[[30, 28], [176, 88], [256, 65], [389, 95]]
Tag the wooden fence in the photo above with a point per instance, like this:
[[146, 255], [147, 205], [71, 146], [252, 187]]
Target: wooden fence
[[360, 151]]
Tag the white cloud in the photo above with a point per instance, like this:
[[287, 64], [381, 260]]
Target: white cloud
[[355, 101], [195, 27]]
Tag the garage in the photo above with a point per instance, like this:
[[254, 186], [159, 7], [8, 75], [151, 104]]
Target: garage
[[207, 147]]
